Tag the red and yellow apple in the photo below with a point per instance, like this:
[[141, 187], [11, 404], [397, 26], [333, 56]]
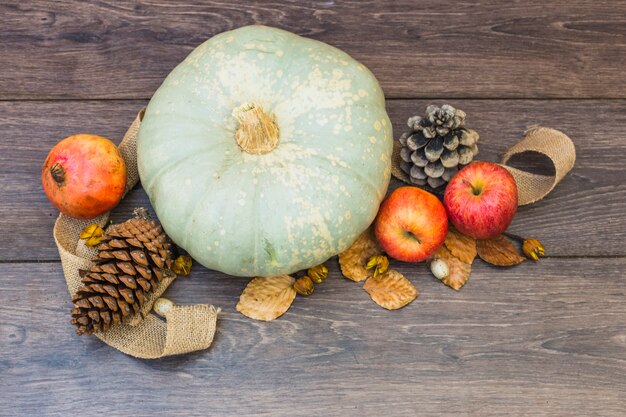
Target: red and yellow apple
[[411, 224], [84, 176], [481, 199]]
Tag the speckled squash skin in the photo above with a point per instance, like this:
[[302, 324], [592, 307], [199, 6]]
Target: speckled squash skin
[[289, 209]]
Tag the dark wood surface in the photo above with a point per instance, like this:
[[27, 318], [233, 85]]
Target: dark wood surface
[[495, 48], [536, 339]]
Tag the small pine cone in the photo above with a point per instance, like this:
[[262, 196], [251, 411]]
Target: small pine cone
[[437, 146], [132, 259]]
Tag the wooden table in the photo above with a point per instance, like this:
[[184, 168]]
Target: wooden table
[[538, 339]]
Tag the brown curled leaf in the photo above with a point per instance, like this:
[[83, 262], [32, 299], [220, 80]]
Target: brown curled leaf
[[459, 271], [498, 251], [461, 245], [267, 298], [391, 290], [353, 261]]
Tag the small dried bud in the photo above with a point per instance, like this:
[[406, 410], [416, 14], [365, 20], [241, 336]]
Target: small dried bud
[[439, 268], [162, 306], [182, 265], [92, 235], [304, 286], [380, 264], [318, 273], [533, 249]]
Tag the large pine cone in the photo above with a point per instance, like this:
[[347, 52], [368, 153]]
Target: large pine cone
[[132, 259]]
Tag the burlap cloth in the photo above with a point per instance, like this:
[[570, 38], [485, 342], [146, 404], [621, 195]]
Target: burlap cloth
[[556, 145], [185, 329]]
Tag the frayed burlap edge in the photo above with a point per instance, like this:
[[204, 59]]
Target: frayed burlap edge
[[185, 329], [556, 145]]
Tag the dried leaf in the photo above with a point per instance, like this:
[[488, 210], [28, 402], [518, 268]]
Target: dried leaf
[[391, 290], [499, 251], [182, 265], [461, 245], [459, 271], [92, 235], [354, 259], [267, 298]]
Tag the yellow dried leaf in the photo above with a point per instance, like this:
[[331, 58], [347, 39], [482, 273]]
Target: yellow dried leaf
[[354, 259], [391, 290], [498, 251], [459, 271], [461, 245], [182, 265], [267, 298], [92, 235]]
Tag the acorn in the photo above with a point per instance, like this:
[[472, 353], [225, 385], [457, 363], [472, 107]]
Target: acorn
[[162, 306], [439, 268]]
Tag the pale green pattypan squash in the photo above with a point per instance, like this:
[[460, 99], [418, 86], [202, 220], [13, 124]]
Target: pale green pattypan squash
[[264, 152]]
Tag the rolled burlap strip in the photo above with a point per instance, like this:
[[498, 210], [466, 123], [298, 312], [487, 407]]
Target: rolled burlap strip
[[556, 145], [185, 329]]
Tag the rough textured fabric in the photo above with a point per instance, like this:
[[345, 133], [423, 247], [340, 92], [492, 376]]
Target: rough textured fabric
[[552, 143], [185, 329]]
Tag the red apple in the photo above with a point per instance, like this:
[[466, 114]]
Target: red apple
[[411, 224], [84, 176], [481, 200]]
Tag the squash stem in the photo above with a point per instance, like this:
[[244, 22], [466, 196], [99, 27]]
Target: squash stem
[[258, 132]]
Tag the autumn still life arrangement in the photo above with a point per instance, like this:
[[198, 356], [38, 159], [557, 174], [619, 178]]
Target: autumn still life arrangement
[[264, 155]]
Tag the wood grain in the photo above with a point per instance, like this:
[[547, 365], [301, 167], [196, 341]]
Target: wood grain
[[584, 216], [530, 49], [544, 339]]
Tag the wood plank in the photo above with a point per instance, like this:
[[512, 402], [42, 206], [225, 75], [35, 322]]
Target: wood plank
[[584, 216], [546, 339], [531, 49]]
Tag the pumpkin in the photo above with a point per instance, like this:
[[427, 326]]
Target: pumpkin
[[264, 153]]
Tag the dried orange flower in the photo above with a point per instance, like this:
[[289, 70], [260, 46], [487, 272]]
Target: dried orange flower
[[182, 265], [533, 249], [318, 273], [304, 285], [92, 235], [380, 264]]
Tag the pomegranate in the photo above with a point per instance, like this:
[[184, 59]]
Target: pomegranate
[[84, 176]]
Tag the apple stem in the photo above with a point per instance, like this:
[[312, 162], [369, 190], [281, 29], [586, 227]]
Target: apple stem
[[475, 191], [58, 173]]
